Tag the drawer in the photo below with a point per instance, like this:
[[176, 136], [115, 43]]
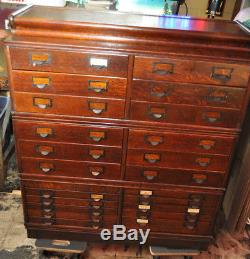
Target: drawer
[[71, 133], [65, 84], [69, 151], [180, 142], [206, 162], [75, 62], [68, 105], [173, 176], [63, 168], [200, 95], [169, 226], [67, 189], [183, 70], [181, 114]]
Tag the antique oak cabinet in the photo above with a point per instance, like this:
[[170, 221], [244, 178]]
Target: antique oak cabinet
[[125, 119]]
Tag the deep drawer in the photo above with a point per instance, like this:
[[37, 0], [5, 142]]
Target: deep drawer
[[200, 95], [68, 105], [69, 151], [64, 84], [69, 62], [62, 168], [180, 142], [173, 176], [181, 70], [140, 157], [72, 133], [180, 114]]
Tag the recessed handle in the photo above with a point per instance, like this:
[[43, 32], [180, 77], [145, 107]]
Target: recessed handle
[[157, 113], [199, 178], [95, 226], [212, 117], [96, 153], [97, 107], [223, 74], [217, 96], [45, 150], [160, 92], [97, 136], [195, 198], [154, 140], [163, 68], [152, 158], [203, 161], [98, 86], [44, 132], [42, 103], [98, 63], [96, 171], [40, 59], [46, 167], [207, 144], [41, 82], [150, 175], [190, 225]]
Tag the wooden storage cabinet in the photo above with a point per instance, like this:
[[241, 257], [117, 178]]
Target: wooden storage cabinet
[[109, 131]]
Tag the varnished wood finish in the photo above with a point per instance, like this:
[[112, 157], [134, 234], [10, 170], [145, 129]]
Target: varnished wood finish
[[122, 121]]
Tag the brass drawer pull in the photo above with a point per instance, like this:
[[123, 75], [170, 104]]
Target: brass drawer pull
[[152, 158], [160, 92], [48, 216], [193, 210], [44, 132], [40, 82], [97, 107], [97, 197], [207, 144], [212, 117], [146, 194], [144, 208], [157, 113], [199, 178], [99, 63], [163, 68], [217, 96], [154, 140], [47, 167], [96, 153], [203, 161], [45, 150], [98, 86], [96, 171], [97, 136], [195, 197], [48, 210], [190, 225], [96, 213], [142, 221], [150, 175], [42, 103], [95, 226], [40, 59], [47, 203], [221, 73]]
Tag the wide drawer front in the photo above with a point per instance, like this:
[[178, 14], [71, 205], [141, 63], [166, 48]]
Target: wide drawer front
[[63, 168], [64, 84], [72, 133], [141, 157], [69, 62], [181, 70], [173, 176], [68, 105], [180, 114], [69, 151], [200, 95], [180, 142]]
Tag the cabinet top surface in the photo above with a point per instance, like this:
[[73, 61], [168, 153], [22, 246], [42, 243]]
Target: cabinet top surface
[[81, 16]]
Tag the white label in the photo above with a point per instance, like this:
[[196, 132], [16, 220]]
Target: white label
[[98, 62]]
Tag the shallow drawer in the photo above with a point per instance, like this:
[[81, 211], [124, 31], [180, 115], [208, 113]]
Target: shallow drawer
[[67, 189], [62, 168], [69, 62], [72, 133], [180, 142], [141, 157], [181, 70], [68, 105], [201, 95], [64, 84], [169, 226], [69, 151], [173, 176], [181, 114]]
